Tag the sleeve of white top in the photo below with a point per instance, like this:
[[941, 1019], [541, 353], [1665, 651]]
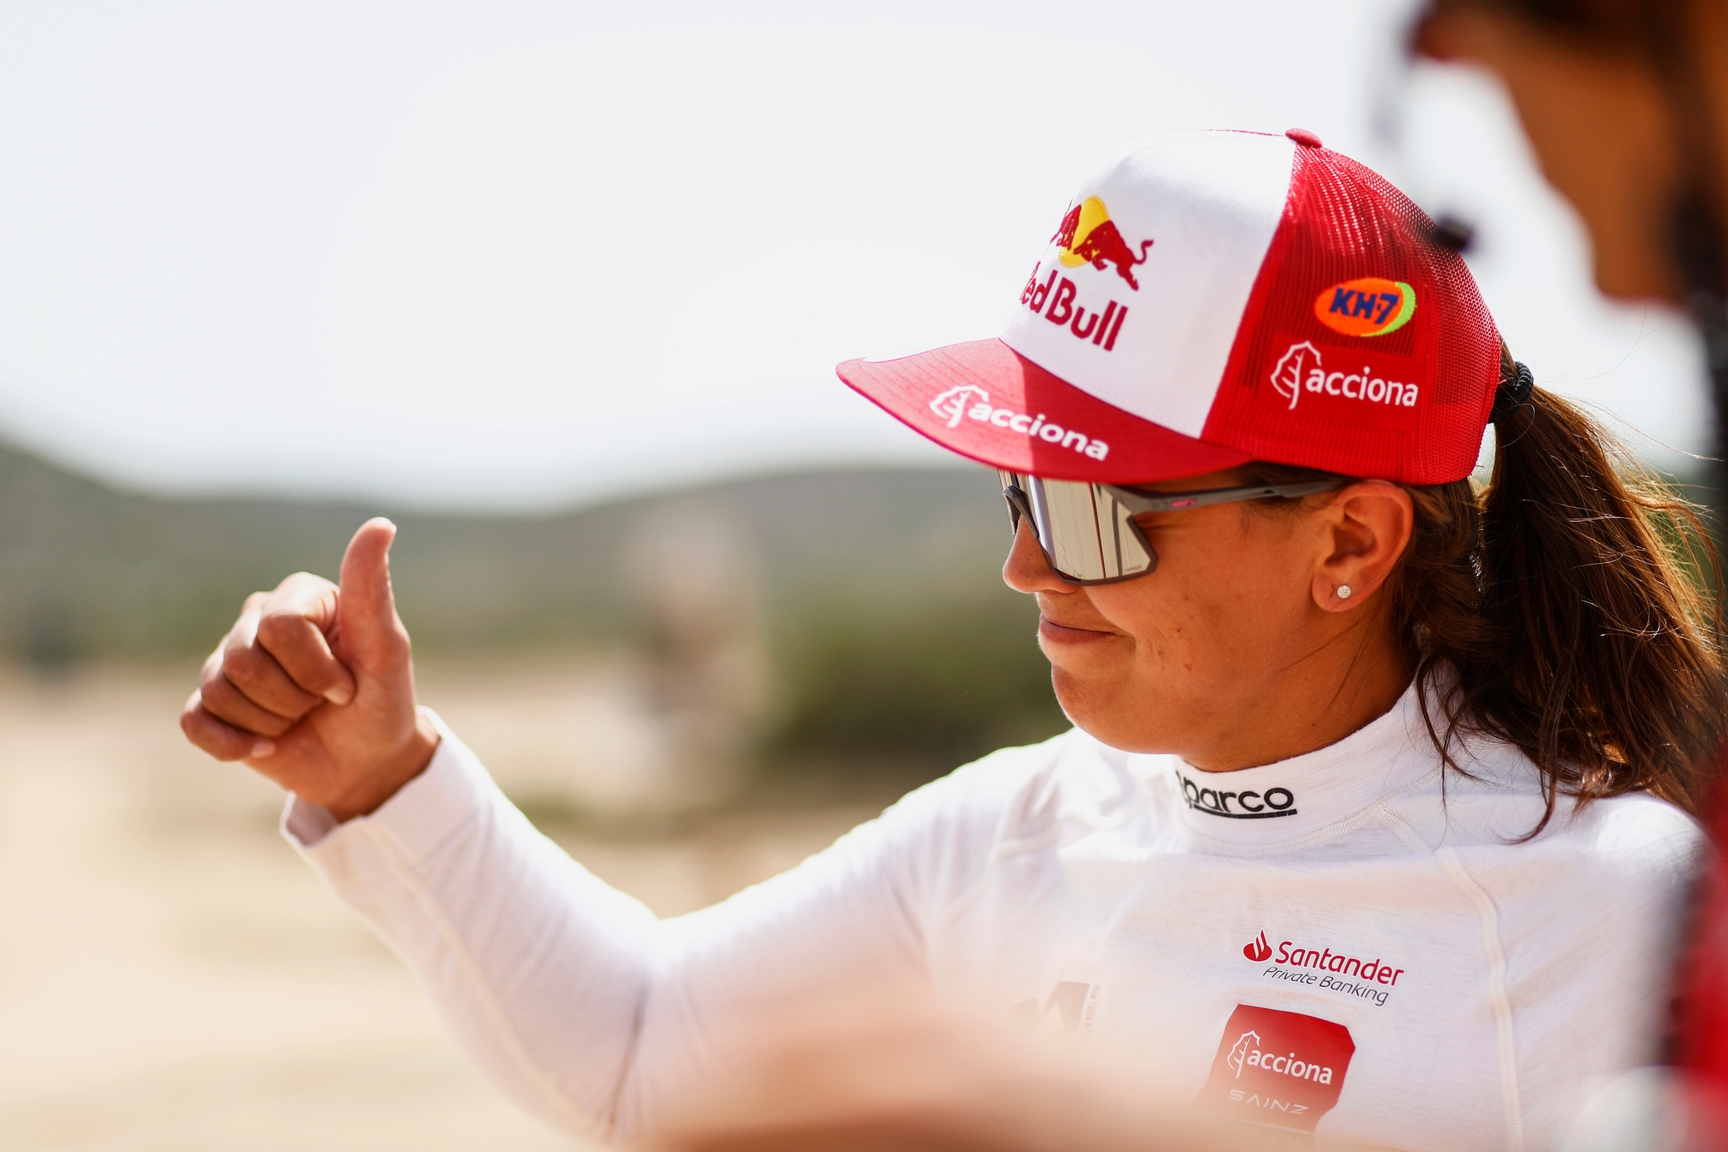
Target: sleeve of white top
[[571, 996]]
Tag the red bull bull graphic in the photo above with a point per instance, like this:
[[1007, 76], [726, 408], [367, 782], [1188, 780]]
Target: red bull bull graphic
[[1060, 293], [1088, 236], [1370, 306]]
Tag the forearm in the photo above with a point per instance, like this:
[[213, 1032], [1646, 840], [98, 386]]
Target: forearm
[[539, 969], [570, 995]]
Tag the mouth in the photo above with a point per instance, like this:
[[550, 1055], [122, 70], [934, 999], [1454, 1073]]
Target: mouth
[[1052, 632]]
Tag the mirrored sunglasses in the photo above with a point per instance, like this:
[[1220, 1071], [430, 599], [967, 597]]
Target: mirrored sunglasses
[[1087, 531]]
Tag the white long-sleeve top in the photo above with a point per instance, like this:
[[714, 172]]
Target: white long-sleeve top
[[1351, 938]]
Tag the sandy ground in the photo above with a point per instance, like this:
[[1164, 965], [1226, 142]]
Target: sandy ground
[[172, 978]]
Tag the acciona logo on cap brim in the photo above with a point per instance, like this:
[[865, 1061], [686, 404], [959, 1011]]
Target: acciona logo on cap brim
[[970, 402]]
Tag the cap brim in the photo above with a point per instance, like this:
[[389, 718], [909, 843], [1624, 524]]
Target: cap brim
[[985, 401]]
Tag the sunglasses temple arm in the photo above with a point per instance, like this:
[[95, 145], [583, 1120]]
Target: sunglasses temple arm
[[1179, 501]]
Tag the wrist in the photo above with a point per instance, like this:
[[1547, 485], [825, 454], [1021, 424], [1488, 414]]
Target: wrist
[[389, 778]]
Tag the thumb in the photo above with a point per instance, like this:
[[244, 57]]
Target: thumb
[[366, 609]]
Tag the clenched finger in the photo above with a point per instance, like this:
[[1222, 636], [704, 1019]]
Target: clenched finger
[[257, 676], [230, 705], [221, 740], [291, 627]]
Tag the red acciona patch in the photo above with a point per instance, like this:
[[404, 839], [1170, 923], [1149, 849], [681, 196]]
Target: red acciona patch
[[1279, 1068]]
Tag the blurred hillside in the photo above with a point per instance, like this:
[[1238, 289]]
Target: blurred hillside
[[877, 593]]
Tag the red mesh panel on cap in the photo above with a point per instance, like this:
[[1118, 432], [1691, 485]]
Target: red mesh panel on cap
[[1323, 374]]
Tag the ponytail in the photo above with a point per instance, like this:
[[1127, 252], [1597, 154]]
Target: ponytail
[[1598, 651], [1567, 609]]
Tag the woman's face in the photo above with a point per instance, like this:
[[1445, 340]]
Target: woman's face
[[1236, 650]]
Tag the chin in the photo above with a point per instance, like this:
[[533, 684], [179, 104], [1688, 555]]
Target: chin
[[1103, 711]]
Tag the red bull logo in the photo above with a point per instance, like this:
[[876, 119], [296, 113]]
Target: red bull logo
[[1089, 236], [1366, 307]]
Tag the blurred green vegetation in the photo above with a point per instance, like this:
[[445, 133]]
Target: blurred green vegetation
[[891, 635], [929, 688]]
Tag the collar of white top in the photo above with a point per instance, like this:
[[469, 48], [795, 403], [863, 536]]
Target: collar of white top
[[1292, 798]]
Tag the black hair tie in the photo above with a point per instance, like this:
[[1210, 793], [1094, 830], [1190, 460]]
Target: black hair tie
[[1513, 393]]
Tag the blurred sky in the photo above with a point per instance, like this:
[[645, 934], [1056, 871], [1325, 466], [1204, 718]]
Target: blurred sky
[[518, 254]]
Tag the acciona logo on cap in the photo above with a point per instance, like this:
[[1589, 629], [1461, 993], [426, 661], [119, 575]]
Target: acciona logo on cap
[[970, 402], [1301, 369], [1244, 805]]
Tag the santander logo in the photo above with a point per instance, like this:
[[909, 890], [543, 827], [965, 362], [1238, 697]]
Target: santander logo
[[1258, 950], [1366, 978]]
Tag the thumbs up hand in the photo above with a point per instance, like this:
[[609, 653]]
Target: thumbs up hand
[[314, 686]]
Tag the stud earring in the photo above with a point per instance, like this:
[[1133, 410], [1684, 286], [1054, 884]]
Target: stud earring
[[1345, 591]]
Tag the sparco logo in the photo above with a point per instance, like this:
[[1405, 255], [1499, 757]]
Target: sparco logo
[[970, 402], [1301, 370], [1247, 805]]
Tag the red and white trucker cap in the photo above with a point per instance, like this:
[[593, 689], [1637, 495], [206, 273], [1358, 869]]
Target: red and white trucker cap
[[1211, 298]]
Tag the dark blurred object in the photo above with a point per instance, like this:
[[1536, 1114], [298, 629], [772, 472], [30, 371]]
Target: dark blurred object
[[1453, 233], [1670, 42], [47, 644], [1702, 1005]]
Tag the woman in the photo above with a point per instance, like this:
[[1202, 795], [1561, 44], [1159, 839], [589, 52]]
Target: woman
[[1374, 818]]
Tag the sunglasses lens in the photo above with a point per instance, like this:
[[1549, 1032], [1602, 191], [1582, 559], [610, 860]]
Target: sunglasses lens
[[1087, 536], [1015, 496]]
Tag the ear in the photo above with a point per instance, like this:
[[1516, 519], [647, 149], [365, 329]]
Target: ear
[[1364, 532]]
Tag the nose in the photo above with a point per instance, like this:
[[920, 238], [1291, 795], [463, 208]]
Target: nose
[[1026, 570]]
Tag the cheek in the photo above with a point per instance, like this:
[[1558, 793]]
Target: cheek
[[1209, 609]]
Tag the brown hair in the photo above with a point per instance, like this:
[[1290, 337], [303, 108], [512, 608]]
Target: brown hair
[[1567, 609]]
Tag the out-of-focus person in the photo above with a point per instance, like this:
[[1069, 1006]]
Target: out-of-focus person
[[1373, 823], [1625, 103]]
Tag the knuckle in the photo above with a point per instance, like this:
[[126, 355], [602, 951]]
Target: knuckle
[[241, 666], [207, 734], [214, 676], [304, 582], [280, 627], [269, 724], [220, 698]]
